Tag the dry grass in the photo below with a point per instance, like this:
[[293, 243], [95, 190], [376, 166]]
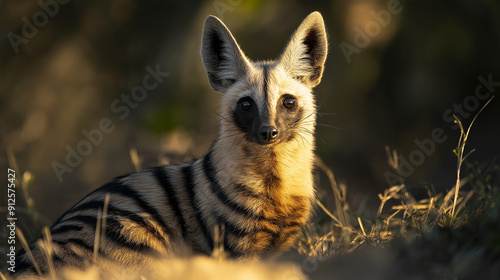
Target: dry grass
[[445, 233]]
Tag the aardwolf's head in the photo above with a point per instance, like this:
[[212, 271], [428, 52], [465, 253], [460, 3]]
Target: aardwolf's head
[[266, 102]]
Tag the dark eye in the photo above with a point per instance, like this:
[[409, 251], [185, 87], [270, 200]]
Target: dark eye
[[245, 105], [289, 102]]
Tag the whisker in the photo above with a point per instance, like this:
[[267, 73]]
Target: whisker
[[310, 115], [239, 139], [229, 136], [297, 139], [327, 114], [220, 116], [304, 139], [298, 132], [330, 126], [323, 124], [306, 130], [298, 142], [319, 138]]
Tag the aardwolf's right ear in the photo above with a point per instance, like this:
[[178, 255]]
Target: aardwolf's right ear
[[223, 59]]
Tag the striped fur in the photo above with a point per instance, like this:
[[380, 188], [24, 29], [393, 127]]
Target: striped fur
[[255, 183]]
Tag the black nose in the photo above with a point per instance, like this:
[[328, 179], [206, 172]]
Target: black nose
[[268, 133]]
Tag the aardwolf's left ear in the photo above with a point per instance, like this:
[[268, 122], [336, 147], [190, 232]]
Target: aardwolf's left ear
[[304, 57]]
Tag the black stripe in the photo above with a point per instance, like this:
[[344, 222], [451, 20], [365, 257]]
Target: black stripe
[[57, 259], [265, 117], [274, 241], [293, 227], [24, 265], [70, 258], [94, 205], [77, 241], [164, 180], [235, 228], [238, 232], [113, 233], [89, 220], [81, 259], [265, 72], [66, 228], [232, 227], [247, 191], [125, 190], [276, 236], [217, 190], [229, 228], [188, 176]]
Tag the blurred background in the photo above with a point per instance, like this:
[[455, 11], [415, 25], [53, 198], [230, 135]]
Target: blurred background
[[394, 72]]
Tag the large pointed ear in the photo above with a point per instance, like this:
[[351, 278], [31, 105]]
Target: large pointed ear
[[304, 57], [223, 59]]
